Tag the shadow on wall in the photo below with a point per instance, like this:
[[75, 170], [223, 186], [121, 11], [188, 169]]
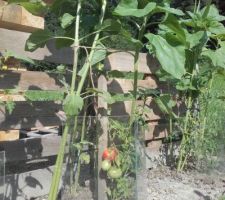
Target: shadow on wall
[[27, 114]]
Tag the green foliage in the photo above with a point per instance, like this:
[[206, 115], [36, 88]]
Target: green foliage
[[183, 48], [10, 105], [66, 20], [213, 108], [171, 57], [35, 95], [38, 39], [166, 104], [216, 56], [73, 104]]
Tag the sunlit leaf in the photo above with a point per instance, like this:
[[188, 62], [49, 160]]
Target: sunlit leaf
[[72, 104], [217, 56], [66, 20], [171, 58]]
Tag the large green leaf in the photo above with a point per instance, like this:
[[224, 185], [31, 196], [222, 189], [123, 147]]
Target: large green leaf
[[216, 27], [217, 56], [34, 7], [66, 20], [110, 25], [196, 39], [171, 58], [73, 104], [38, 39], [130, 8], [99, 54], [168, 9], [211, 12], [172, 24]]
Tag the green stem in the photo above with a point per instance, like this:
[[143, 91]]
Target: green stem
[[76, 47], [171, 139], [79, 152], [185, 135], [136, 58], [59, 162], [58, 167], [88, 65], [206, 110]]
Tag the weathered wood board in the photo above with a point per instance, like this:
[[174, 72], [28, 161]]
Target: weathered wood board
[[102, 138], [9, 135], [31, 148], [124, 61], [48, 53], [16, 17], [35, 114], [155, 131], [29, 80]]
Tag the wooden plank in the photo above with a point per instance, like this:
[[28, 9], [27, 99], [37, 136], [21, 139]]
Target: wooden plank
[[124, 108], [35, 114], [31, 148], [16, 17], [28, 80], [124, 85], [48, 53], [102, 139], [9, 135], [156, 131], [13, 97], [124, 61]]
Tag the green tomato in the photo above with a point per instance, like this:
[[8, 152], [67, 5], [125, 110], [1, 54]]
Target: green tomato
[[114, 172], [106, 164]]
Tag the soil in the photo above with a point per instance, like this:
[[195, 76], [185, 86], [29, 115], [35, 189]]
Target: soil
[[162, 183], [166, 184]]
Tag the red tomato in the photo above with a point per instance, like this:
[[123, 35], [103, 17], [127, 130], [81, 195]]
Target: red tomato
[[110, 154]]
